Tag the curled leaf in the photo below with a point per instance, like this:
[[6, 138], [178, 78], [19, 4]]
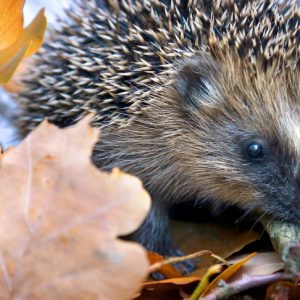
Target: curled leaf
[[17, 42]]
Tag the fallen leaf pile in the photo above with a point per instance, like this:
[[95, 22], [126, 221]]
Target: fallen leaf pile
[[17, 42], [60, 218]]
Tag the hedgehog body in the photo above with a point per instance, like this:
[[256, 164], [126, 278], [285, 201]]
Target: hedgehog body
[[200, 99]]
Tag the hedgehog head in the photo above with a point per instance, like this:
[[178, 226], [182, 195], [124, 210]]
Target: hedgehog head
[[242, 134]]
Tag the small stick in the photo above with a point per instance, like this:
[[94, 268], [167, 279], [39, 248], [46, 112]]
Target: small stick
[[246, 283], [172, 260], [285, 238]]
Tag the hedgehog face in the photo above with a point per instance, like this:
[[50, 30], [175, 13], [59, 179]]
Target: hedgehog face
[[244, 131]]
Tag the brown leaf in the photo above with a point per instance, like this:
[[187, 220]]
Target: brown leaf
[[283, 291], [60, 217], [168, 288], [223, 241]]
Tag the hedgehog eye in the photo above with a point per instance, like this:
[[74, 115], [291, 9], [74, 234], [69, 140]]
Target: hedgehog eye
[[255, 151]]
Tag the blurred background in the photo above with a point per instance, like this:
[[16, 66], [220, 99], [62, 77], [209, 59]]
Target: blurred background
[[8, 133], [53, 8]]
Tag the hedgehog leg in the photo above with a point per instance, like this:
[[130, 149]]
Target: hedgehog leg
[[154, 234]]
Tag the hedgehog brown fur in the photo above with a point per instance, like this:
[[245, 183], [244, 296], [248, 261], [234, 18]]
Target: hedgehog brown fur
[[200, 99]]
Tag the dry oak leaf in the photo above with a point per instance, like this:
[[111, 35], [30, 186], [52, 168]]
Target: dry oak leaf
[[60, 218], [17, 43]]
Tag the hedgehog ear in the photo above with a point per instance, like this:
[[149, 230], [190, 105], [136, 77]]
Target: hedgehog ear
[[195, 82]]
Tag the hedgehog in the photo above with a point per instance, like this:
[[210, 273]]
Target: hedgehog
[[198, 98]]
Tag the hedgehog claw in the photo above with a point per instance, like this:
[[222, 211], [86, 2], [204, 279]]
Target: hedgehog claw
[[157, 276], [185, 267]]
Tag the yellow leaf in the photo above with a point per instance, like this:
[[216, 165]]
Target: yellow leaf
[[205, 281], [8, 69], [30, 38], [227, 273], [34, 33], [11, 21]]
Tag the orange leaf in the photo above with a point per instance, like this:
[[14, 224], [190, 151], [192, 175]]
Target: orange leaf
[[60, 218], [168, 289], [34, 33], [167, 270], [30, 38], [227, 273], [11, 21], [173, 281]]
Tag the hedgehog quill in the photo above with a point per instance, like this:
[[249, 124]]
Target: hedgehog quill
[[200, 99]]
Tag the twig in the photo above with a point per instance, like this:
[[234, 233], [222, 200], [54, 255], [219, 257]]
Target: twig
[[246, 283], [172, 260], [285, 238]]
